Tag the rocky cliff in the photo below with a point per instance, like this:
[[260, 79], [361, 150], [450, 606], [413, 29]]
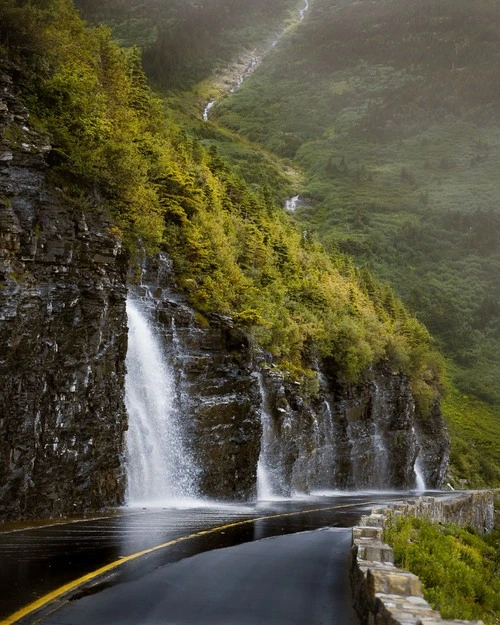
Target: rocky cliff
[[240, 408], [62, 336], [63, 343]]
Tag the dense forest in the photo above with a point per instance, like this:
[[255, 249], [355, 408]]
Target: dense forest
[[390, 110], [234, 249]]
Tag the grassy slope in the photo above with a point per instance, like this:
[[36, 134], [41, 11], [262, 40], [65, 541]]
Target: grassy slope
[[389, 107]]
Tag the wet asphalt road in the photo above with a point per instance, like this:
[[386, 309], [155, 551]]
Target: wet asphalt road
[[187, 583]]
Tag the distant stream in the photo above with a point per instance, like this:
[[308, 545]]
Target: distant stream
[[254, 63]]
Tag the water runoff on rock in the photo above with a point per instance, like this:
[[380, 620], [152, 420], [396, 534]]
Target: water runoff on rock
[[270, 482], [160, 469], [417, 468]]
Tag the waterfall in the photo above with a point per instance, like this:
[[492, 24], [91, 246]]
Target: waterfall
[[159, 467], [206, 111], [270, 483], [379, 445], [254, 63], [303, 11], [292, 203], [417, 467]]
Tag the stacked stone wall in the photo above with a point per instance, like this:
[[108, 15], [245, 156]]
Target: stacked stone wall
[[386, 595]]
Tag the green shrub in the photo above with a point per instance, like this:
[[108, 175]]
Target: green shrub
[[459, 570]]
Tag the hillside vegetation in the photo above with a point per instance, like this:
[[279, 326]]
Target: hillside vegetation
[[459, 570], [184, 40], [391, 110], [234, 250]]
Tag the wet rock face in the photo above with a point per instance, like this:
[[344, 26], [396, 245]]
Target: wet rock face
[[353, 436], [238, 406], [217, 396], [63, 337]]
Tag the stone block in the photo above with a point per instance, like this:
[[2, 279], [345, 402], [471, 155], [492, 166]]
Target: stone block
[[376, 551], [368, 532], [373, 520], [394, 582]]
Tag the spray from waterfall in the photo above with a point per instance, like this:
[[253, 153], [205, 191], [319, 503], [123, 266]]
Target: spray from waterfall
[[270, 483], [417, 468], [160, 468]]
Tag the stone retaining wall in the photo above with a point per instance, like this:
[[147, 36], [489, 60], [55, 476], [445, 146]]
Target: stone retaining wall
[[386, 595]]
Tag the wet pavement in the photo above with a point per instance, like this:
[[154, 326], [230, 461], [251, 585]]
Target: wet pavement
[[38, 561]]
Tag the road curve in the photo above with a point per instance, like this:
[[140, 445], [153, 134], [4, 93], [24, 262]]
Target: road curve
[[43, 569], [286, 580]]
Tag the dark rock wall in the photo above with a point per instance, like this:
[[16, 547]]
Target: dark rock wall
[[353, 436], [63, 337], [346, 436]]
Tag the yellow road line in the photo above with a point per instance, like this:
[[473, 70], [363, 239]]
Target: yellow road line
[[59, 592]]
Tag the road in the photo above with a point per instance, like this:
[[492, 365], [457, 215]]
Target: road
[[186, 566]]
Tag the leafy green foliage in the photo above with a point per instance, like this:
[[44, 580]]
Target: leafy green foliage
[[233, 248], [459, 570], [389, 107]]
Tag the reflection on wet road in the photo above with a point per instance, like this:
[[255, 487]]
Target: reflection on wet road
[[35, 562]]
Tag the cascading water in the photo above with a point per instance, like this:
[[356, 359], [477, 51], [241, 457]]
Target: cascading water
[[303, 11], [159, 466], [269, 479], [417, 468], [254, 63], [292, 203], [380, 451]]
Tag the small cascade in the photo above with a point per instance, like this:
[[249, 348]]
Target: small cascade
[[325, 436], [292, 203], [159, 466], [254, 63], [417, 467], [380, 452], [379, 446], [270, 483], [303, 11], [206, 111], [249, 70]]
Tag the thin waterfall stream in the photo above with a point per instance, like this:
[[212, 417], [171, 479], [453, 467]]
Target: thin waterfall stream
[[270, 484], [160, 468], [417, 467], [254, 63]]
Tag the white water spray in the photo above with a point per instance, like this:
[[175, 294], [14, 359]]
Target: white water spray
[[269, 480], [292, 203], [303, 11], [417, 468], [159, 467]]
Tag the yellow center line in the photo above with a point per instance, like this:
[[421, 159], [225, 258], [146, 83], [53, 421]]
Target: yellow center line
[[59, 592]]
